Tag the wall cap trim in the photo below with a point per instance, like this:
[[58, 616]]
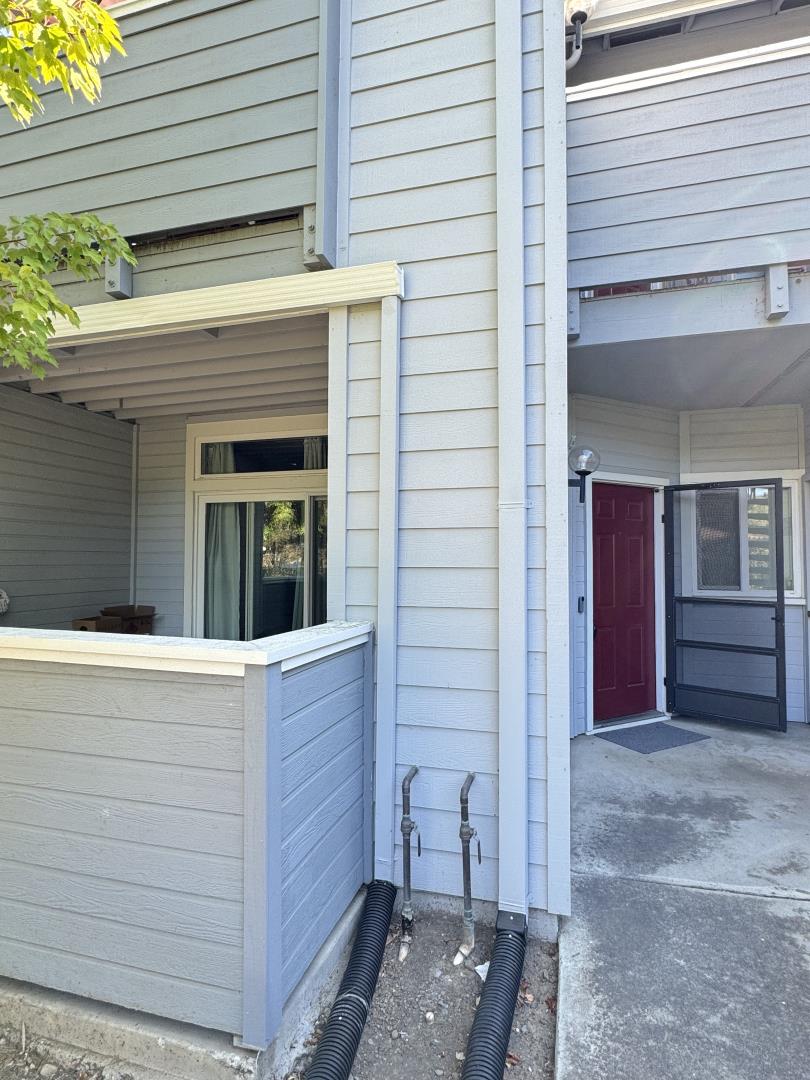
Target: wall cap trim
[[192, 655]]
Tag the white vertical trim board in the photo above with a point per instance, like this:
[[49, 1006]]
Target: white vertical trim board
[[513, 788], [343, 135], [261, 952], [326, 176], [337, 467], [133, 524], [387, 591], [555, 349]]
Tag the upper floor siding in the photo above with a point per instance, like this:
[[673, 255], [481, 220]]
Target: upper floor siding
[[691, 169], [210, 118]]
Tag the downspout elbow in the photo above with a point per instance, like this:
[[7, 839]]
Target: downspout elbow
[[576, 47]]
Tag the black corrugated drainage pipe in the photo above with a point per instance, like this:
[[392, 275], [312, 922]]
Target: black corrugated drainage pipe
[[489, 1036], [338, 1045]]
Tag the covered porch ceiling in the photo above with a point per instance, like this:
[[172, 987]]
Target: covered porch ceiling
[[279, 365], [765, 366], [724, 344]]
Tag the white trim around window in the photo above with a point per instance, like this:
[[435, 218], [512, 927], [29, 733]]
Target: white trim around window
[[791, 482]]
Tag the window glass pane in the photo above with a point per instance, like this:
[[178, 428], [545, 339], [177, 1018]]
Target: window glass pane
[[264, 455], [762, 537], [278, 589], [318, 560], [254, 569], [718, 539]]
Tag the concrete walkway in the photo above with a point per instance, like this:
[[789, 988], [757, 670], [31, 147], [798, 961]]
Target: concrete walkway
[[688, 953]]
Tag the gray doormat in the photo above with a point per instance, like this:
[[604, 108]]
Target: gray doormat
[[649, 738]]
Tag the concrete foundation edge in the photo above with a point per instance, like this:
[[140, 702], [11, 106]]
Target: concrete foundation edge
[[150, 1047]]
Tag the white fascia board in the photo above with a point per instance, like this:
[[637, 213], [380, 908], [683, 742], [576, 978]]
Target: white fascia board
[[690, 69], [623, 14], [230, 305], [192, 655], [130, 7]]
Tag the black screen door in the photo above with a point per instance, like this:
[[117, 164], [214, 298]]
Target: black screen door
[[725, 601]]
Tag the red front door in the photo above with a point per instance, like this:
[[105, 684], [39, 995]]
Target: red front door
[[623, 601]]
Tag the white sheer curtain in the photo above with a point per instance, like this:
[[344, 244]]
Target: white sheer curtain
[[223, 544]]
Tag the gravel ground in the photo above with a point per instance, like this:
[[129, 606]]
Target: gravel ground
[[34, 1062], [423, 1009]]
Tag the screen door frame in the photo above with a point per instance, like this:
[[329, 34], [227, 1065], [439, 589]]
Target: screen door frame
[[716, 703]]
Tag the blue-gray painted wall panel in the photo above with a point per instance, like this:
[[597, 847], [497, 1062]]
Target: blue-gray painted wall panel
[[694, 175], [325, 800], [121, 875], [212, 115]]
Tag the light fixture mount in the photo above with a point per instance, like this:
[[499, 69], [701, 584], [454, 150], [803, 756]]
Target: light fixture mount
[[583, 460]]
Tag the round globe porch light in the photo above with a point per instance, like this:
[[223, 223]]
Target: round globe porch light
[[583, 460]]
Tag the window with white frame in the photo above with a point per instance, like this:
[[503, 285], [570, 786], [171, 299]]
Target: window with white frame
[[257, 526], [735, 540]]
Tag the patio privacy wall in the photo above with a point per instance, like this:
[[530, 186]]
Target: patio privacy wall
[[153, 784], [644, 440], [65, 477]]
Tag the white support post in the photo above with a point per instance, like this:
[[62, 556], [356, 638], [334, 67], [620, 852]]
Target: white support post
[[387, 590], [558, 703], [261, 963], [513, 797], [337, 462]]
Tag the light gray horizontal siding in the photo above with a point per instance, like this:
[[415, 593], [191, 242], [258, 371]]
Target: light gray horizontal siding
[[733, 440], [211, 116], [631, 438], [363, 462], [65, 479], [223, 257], [121, 874], [160, 565], [325, 818], [695, 175], [423, 193]]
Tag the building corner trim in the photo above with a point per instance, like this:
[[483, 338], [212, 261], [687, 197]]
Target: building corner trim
[[513, 797], [555, 333]]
